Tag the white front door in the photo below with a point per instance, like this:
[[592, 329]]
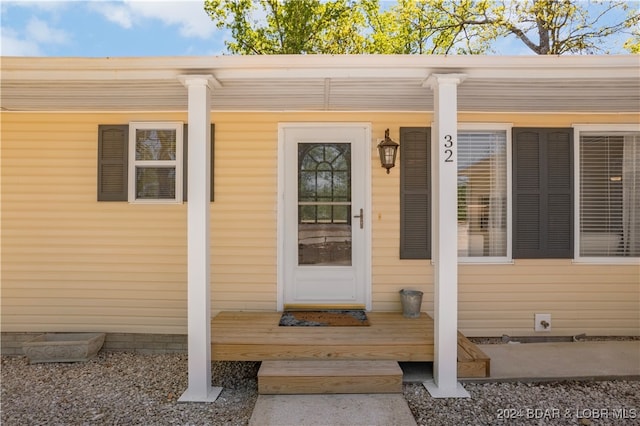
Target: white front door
[[324, 217]]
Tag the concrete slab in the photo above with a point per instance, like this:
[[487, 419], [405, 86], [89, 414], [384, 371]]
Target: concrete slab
[[335, 410], [509, 362], [557, 361]]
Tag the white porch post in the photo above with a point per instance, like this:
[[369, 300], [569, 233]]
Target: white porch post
[[198, 281], [445, 230]]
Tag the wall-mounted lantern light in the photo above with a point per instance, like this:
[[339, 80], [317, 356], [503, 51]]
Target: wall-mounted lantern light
[[388, 150]]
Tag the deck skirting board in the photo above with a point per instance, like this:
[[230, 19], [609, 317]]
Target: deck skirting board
[[256, 336]]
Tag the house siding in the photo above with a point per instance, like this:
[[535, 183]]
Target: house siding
[[599, 300], [71, 263]]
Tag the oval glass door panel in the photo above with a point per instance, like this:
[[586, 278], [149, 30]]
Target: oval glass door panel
[[324, 204]]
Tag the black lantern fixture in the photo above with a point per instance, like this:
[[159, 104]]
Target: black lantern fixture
[[388, 150]]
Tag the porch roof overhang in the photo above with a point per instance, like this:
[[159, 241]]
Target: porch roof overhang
[[579, 84]]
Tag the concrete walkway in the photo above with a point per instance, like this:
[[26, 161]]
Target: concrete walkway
[[562, 361], [509, 362], [334, 410]]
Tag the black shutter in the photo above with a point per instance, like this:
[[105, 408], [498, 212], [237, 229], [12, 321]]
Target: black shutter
[[185, 151], [415, 193], [113, 152], [113, 165], [542, 193]]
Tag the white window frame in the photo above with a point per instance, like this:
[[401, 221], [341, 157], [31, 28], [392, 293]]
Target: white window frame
[[507, 128], [177, 163], [605, 129]]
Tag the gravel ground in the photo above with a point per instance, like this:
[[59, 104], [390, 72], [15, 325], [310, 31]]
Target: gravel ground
[[549, 403], [121, 388], [136, 389]]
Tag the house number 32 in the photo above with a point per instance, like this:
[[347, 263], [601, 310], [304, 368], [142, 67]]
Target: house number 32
[[448, 149]]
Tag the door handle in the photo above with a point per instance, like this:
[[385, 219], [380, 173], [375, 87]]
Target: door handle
[[361, 216]]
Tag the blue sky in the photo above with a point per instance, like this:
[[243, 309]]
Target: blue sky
[[100, 28], [108, 28]]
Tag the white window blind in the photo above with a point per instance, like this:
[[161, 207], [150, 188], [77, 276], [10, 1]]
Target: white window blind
[[609, 194], [482, 194]]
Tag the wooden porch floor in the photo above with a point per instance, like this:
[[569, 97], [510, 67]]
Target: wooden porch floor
[[256, 336]]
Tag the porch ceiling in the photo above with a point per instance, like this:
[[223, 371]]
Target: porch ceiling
[[323, 83]]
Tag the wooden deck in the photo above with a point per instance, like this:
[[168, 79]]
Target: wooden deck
[[256, 336]]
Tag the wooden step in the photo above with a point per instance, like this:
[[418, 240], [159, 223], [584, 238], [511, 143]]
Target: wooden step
[[472, 362], [322, 377]]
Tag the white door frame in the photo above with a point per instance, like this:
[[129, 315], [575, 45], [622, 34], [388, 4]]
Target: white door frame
[[281, 203]]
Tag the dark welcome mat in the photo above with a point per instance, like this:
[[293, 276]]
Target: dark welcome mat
[[332, 318]]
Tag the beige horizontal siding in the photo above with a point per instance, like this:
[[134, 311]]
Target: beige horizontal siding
[[390, 274], [581, 298], [70, 263], [502, 299], [243, 228]]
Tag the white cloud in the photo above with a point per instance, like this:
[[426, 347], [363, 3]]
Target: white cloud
[[188, 15], [12, 45], [28, 40], [118, 14], [40, 31]]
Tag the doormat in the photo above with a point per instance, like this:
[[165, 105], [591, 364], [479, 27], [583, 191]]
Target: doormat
[[332, 318]]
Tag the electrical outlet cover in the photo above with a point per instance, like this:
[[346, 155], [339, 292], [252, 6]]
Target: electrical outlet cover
[[539, 322]]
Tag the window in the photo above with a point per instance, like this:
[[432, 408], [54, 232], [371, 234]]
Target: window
[[609, 192], [113, 162], [324, 204], [155, 162], [324, 177], [515, 193], [482, 195]]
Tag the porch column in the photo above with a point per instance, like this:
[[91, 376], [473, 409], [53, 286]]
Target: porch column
[[445, 230], [198, 281]]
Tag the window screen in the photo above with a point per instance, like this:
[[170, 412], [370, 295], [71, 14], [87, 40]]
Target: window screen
[[156, 162], [482, 194], [609, 194]]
